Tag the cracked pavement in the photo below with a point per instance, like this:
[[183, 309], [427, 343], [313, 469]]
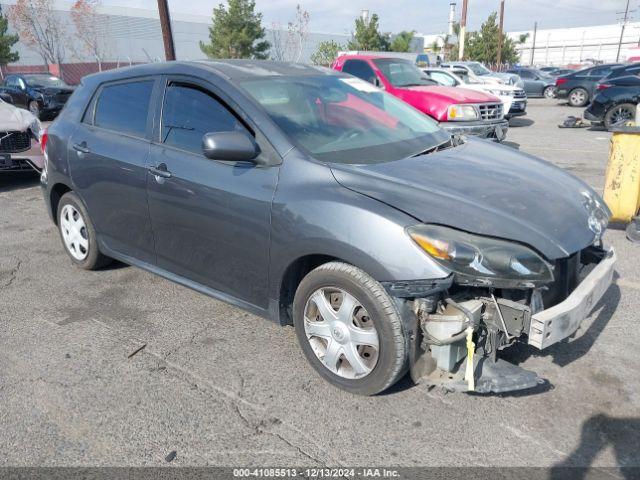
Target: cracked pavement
[[223, 387]]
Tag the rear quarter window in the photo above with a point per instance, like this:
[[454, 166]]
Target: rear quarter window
[[124, 107]]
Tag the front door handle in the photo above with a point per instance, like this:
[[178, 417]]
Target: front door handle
[[160, 171], [81, 147]]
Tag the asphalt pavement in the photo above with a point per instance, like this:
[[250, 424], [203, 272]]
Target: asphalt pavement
[[222, 387]]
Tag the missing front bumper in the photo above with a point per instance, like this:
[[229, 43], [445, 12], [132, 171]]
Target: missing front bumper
[[562, 320]]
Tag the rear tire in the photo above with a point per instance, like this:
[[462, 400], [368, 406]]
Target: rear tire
[[619, 113], [78, 234], [578, 97], [367, 332], [549, 92]]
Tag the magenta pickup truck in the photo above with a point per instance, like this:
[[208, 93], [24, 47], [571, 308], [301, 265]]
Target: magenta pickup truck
[[458, 110]]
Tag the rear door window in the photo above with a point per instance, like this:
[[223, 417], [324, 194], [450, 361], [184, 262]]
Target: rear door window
[[124, 107], [189, 112], [360, 69], [600, 72]]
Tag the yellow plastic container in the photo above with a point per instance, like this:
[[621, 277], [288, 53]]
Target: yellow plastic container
[[622, 180]]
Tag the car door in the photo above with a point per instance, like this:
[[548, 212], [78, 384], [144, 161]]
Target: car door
[[211, 219], [531, 84], [360, 69], [16, 88], [107, 156]]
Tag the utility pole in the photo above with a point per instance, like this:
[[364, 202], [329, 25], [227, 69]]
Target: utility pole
[[167, 34], [533, 43], [499, 59], [463, 30], [624, 24]]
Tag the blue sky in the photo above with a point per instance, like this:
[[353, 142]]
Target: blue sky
[[425, 16]]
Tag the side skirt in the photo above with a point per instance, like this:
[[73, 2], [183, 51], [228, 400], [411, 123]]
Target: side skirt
[[198, 287]]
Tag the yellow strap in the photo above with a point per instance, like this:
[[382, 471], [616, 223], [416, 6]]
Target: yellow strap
[[468, 375]]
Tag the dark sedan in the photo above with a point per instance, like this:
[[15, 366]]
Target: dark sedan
[[536, 83], [615, 102], [579, 87], [44, 95], [313, 198]]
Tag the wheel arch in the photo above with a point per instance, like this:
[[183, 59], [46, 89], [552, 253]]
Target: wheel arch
[[57, 191]]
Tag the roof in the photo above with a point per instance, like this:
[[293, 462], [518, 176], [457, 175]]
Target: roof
[[245, 69], [368, 56], [237, 70]]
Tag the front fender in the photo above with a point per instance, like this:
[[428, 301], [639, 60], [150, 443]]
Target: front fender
[[314, 215]]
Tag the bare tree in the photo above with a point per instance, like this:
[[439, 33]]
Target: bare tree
[[278, 44], [39, 28], [288, 45], [87, 22], [298, 33]]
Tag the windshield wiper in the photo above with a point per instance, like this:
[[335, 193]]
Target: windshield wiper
[[454, 141]]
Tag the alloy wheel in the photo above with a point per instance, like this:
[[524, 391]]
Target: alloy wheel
[[341, 333], [74, 232], [621, 114], [578, 97]]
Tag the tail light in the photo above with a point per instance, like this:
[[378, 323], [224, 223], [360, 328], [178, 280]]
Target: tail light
[[560, 81], [44, 137], [603, 86]]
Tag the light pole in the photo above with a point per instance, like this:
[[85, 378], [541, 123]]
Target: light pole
[[167, 34], [499, 59], [463, 30]]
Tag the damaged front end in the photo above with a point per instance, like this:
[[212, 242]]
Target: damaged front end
[[460, 325], [18, 128]]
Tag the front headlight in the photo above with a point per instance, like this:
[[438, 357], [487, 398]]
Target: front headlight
[[478, 260], [500, 93], [462, 112]]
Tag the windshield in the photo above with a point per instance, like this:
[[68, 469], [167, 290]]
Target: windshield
[[345, 119], [44, 81], [479, 69], [402, 73]]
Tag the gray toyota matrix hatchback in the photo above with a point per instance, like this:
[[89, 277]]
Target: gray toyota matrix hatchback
[[312, 198]]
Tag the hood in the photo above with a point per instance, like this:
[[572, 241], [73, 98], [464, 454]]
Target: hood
[[16, 119], [50, 91], [483, 188], [452, 94]]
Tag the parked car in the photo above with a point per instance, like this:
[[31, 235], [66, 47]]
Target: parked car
[[479, 70], [513, 98], [420, 59], [17, 129], [622, 71], [42, 94], [615, 102], [459, 111], [579, 87], [310, 197], [536, 82]]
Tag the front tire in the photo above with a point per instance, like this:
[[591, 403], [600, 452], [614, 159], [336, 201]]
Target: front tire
[[78, 234], [350, 329], [34, 108], [578, 97], [549, 92], [619, 114]]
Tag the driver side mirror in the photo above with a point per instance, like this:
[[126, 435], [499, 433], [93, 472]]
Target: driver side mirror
[[231, 147], [376, 81]]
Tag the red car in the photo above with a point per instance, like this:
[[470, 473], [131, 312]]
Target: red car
[[458, 110]]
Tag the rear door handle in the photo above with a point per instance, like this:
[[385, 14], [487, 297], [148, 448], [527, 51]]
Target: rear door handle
[[160, 171], [81, 147]]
